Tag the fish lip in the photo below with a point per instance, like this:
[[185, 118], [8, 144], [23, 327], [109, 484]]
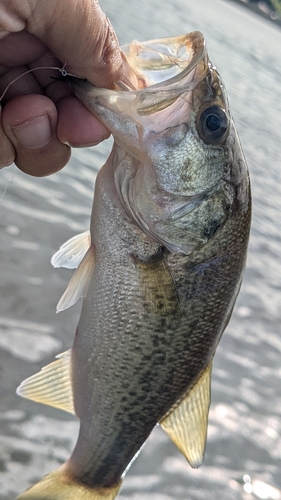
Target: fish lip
[[197, 43], [194, 42]]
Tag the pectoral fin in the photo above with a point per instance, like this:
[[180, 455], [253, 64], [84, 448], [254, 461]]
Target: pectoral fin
[[72, 251], [79, 282], [188, 422], [52, 385]]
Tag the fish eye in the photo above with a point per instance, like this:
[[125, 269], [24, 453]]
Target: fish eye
[[212, 124]]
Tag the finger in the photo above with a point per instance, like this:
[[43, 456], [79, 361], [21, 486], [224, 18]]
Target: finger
[[7, 150], [17, 49], [30, 124], [13, 83], [46, 68], [33, 78], [60, 25], [77, 126]]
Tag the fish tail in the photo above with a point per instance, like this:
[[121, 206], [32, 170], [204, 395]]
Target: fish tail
[[59, 485]]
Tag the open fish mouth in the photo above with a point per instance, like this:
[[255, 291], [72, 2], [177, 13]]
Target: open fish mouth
[[166, 68], [162, 60]]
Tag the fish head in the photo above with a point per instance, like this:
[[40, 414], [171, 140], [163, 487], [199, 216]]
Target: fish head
[[179, 168]]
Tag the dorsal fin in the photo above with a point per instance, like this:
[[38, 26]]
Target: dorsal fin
[[187, 424], [52, 385], [79, 282], [72, 251]]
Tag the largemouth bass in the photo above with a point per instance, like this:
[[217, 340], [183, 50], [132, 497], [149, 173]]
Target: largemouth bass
[[159, 271]]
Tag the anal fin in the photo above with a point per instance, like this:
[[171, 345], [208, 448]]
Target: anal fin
[[187, 424], [52, 385]]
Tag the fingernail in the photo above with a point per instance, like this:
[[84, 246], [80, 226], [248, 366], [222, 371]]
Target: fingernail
[[86, 144], [35, 133]]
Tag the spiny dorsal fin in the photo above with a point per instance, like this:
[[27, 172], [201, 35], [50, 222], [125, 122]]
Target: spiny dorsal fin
[[79, 282], [52, 385], [72, 251], [187, 424]]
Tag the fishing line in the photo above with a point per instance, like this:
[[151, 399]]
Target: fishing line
[[29, 71], [63, 73], [62, 70], [8, 183]]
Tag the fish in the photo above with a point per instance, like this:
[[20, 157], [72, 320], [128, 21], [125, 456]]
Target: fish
[[159, 271]]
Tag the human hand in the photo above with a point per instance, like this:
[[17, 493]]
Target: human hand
[[40, 118]]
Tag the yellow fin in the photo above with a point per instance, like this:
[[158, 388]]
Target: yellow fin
[[59, 485], [52, 385], [187, 424], [72, 251], [79, 282]]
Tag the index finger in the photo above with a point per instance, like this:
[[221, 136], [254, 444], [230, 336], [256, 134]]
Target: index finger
[[80, 35]]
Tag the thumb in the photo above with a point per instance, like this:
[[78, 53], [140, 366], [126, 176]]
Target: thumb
[[80, 35]]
